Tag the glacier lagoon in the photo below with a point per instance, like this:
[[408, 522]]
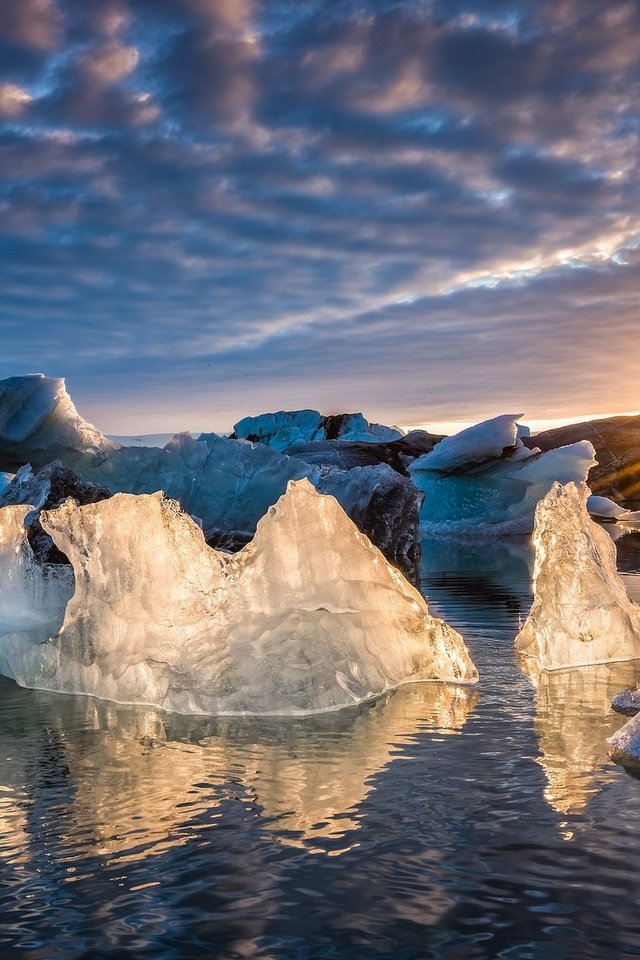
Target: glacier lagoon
[[368, 817], [437, 821]]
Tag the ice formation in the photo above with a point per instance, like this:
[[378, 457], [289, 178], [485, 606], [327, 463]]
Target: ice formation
[[282, 429], [39, 423], [625, 744], [484, 479], [627, 702], [604, 509], [617, 444], [308, 617], [581, 612]]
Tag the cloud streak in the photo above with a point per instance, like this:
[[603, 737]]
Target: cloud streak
[[428, 210]]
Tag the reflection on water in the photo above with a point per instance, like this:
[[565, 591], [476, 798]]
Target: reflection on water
[[136, 779], [573, 719]]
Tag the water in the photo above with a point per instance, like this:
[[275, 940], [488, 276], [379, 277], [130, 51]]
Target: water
[[436, 823]]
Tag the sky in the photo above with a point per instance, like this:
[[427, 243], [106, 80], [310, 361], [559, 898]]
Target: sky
[[427, 210]]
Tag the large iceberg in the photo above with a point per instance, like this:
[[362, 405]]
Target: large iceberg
[[282, 429], [581, 612], [309, 617], [484, 480]]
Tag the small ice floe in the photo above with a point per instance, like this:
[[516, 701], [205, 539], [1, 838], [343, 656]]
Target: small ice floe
[[601, 508]]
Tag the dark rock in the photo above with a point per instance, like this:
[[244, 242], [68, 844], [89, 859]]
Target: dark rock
[[346, 454], [228, 540]]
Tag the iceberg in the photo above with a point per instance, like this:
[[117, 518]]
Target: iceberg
[[617, 444], [282, 429], [484, 480], [627, 702], [309, 617], [346, 454], [581, 613], [39, 423], [625, 743]]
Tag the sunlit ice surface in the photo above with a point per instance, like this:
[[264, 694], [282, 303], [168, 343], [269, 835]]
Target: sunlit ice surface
[[433, 820]]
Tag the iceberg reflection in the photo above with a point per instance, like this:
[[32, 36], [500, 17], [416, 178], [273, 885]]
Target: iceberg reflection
[[573, 720], [137, 782]]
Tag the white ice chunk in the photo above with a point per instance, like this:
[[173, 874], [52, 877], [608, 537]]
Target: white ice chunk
[[581, 612], [477, 444], [485, 481], [606, 509], [625, 743], [308, 617]]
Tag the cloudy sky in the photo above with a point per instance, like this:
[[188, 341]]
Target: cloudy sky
[[424, 209]]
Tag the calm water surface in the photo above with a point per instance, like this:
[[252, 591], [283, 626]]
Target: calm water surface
[[438, 822]]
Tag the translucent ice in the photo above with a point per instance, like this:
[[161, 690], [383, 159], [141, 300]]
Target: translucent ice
[[581, 613], [484, 480], [33, 596], [308, 617]]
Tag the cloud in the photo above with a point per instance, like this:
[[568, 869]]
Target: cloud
[[13, 100], [347, 201], [31, 23]]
